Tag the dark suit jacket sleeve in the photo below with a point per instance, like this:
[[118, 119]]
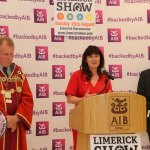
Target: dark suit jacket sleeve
[[142, 87]]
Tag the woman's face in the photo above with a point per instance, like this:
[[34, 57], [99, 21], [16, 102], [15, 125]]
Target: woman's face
[[93, 61]]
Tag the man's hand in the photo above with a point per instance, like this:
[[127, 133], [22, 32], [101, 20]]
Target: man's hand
[[12, 121], [14, 128]]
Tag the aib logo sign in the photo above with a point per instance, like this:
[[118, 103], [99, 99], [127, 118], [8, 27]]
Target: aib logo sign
[[114, 35], [116, 70], [4, 31], [42, 91], [55, 38], [119, 112], [99, 17], [113, 2], [58, 71], [58, 144], [41, 52], [51, 2], [119, 106], [149, 52], [148, 16], [40, 16], [59, 108], [42, 128]]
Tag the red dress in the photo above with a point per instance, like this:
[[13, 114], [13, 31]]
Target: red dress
[[78, 86], [20, 103]]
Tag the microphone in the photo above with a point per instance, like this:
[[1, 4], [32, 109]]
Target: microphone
[[109, 76]]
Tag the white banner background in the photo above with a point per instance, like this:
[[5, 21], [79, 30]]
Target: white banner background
[[124, 26]]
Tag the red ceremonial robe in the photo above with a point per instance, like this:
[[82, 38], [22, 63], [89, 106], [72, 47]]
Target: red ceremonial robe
[[21, 104]]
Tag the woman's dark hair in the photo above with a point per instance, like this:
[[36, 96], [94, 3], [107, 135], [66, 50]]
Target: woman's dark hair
[[84, 66]]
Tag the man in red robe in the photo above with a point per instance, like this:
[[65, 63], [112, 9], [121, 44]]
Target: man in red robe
[[16, 99]]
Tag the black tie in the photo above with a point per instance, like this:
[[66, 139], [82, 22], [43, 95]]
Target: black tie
[[5, 71]]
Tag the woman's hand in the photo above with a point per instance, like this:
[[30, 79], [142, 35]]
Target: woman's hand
[[89, 95]]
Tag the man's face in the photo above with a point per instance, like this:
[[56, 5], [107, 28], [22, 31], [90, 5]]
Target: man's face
[[6, 54]]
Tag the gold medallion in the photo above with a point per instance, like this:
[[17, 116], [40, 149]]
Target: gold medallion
[[8, 101], [12, 90], [4, 79], [7, 94], [18, 89]]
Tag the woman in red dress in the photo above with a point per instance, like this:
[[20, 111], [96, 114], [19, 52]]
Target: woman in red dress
[[88, 81]]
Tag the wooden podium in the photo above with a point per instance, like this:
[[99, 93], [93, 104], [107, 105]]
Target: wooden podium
[[111, 113]]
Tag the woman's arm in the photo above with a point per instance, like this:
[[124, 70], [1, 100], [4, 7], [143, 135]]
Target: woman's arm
[[76, 100], [73, 99]]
